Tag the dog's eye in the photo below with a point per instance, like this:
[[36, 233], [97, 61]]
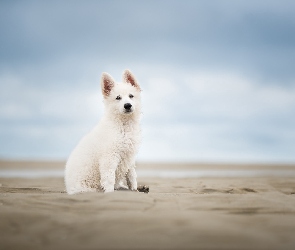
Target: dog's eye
[[131, 96], [118, 97]]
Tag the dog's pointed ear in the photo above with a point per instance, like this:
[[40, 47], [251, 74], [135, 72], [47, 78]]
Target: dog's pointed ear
[[107, 83], [128, 77]]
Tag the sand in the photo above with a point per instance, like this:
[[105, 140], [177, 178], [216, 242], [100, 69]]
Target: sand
[[190, 213]]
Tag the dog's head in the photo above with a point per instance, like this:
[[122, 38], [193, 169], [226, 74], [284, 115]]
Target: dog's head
[[121, 99]]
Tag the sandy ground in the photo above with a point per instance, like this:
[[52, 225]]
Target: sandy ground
[[203, 213]]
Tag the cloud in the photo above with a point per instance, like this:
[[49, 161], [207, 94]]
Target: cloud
[[216, 116], [218, 78], [187, 116], [45, 122], [219, 91], [251, 38]]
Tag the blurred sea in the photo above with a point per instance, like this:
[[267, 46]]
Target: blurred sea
[[166, 173]]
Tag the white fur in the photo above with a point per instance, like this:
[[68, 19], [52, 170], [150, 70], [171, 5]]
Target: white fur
[[106, 156]]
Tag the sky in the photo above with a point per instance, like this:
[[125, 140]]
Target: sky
[[218, 77]]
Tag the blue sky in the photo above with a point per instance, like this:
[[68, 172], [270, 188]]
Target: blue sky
[[218, 77]]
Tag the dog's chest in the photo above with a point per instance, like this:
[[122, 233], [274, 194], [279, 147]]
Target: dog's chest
[[127, 140]]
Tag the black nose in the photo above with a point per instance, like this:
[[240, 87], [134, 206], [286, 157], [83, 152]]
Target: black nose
[[127, 106]]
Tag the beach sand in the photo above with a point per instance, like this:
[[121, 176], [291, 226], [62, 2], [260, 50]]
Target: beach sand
[[190, 213]]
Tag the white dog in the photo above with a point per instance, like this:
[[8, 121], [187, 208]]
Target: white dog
[[105, 157]]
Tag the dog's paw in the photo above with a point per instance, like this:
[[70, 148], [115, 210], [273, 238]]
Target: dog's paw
[[144, 189], [121, 187], [109, 189]]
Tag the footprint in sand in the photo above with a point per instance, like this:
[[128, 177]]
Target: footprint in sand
[[24, 190], [228, 191]]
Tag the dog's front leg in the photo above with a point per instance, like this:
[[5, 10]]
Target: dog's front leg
[[107, 177], [131, 179]]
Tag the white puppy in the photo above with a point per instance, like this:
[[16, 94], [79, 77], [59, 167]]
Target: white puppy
[[106, 156]]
